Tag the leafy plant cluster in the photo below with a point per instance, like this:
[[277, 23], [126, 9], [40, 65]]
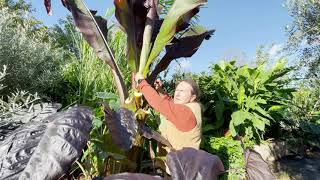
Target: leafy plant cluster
[[302, 118], [244, 99], [231, 154]]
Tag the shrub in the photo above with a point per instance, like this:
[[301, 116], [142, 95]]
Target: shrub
[[244, 98], [32, 63], [231, 154]]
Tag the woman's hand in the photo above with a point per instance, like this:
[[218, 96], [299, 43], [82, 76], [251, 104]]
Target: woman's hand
[[138, 77]]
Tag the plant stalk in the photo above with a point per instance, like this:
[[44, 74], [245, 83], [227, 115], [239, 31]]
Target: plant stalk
[[147, 35]]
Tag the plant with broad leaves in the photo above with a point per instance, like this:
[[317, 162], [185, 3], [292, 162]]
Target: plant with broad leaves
[[147, 34], [245, 98], [45, 150]]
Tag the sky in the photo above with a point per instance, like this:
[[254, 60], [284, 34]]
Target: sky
[[241, 27]]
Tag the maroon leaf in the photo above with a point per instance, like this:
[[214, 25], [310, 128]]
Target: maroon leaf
[[150, 133], [183, 47], [256, 167], [47, 4], [132, 176], [190, 163], [132, 17], [183, 23], [124, 128], [47, 149]]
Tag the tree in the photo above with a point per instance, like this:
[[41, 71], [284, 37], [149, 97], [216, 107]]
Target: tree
[[25, 48], [304, 34]]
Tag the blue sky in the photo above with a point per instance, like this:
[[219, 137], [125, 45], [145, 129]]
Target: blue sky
[[241, 26]]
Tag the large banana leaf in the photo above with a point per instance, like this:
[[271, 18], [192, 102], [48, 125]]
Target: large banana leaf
[[41, 150], [182, 47], [94, 30], [132, 17], [180, 9]]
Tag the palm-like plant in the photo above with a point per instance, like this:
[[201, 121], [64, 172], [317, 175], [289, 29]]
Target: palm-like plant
[[147, 34]]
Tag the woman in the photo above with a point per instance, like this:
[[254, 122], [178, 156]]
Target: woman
[[182, 114]]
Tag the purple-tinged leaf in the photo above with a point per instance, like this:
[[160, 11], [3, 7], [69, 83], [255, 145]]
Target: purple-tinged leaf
[[45, 150], [124, 128], [178, 11], [256, 167], [151, 134], [132, 176], [183, 23], [132, 14], [190, 163], [47, 4], [183, 47]]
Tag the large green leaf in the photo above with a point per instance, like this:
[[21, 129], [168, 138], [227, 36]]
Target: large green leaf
[[258, 123], [262, 112], [179, 9], [240, 116], [241, 95]]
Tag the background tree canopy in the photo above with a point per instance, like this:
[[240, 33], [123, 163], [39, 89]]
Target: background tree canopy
[[304, 34]]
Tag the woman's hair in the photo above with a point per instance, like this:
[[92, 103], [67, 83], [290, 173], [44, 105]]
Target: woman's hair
[[194, 85]]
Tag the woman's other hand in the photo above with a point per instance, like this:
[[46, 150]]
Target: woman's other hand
[[158, 85]]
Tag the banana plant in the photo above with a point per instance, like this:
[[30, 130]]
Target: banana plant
[[147, 34]]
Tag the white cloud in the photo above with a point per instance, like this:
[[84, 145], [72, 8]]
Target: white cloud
[[275, 50], [185, 64]]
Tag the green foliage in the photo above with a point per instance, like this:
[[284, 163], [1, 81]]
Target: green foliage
[[15, 101], [305, 105], [101, 152], [244, 98], [32, 64], [301, 118], [2, 75], [231, 154], [84, 74]]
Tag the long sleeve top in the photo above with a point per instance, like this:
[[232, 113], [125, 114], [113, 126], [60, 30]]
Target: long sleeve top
[[180, 115]]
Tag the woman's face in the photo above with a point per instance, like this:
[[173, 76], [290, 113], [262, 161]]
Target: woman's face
[[183, 93]]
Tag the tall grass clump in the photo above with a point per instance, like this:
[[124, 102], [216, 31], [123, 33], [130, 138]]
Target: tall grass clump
[[85, 74]]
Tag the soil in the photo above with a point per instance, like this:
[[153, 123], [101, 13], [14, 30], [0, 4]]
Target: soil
[[296, 167]]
